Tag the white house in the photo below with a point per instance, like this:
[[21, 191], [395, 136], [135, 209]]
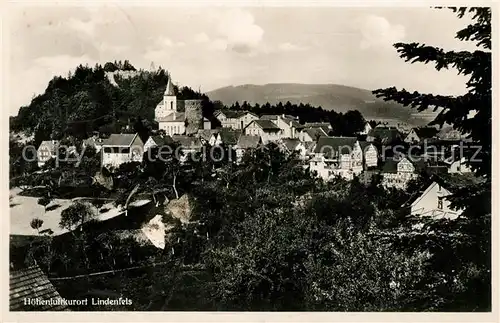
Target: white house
[[370, 154], [121, 148], [303, 149], [433, 202], [266, 129], [337, 156], [289, 125], [46, 151], [397, 172], [174, 122], [234, 119]]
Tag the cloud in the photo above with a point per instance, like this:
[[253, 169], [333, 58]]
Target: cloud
[[218, 45], [237, 27], [289, 47], [165, 42], [377, 32], [201, 38]]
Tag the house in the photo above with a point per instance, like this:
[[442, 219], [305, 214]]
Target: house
[[235, 119], [246, 144], [433, 199], [226, 136], [121, 148], [337, 156], [266, 129], [208, 136], [289, 126], [384, 135], [370, 154], [187, 145], [418, 135], [157, 141], [311, 134], [294, 145], [31, 290], [325, 126], [48, 149], [172, 121], [398, 171]]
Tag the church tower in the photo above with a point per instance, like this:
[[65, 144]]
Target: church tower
[[169, 98]]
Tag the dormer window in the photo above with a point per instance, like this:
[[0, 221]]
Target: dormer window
[[440, 203]]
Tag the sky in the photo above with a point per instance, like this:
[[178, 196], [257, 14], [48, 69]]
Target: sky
[[211, 47]]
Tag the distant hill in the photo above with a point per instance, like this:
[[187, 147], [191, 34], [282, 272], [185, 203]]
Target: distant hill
[[335, 97]]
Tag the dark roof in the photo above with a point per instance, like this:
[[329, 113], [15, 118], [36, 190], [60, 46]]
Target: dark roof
[[426, 132], [206, 134], [187, 141], [385, 134], [332, 146], [233, 114], [318, 124], [161, 140], [269, 117], [32, 283], [229, 136], [314, 132], [290, 143], [246, 142], [119, 139], [267, 125], [173, 117]]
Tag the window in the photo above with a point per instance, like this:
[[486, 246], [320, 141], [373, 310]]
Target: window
[[171, 105], [440, 204]]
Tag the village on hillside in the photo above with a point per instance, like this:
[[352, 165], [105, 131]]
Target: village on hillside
[[129, 192]]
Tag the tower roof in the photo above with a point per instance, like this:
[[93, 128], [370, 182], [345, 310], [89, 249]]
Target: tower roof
[[170, 87]]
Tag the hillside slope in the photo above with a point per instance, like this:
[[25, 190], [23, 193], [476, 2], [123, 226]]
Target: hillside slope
[[335, 97]]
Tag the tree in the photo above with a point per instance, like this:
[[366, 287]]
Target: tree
[[76, 215], [36, 224], [459, 264], [457, 109], [44, 201]]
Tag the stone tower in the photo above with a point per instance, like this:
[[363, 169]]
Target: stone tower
[[194, 118]]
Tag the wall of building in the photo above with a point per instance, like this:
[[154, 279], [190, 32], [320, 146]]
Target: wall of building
[[428, 204]]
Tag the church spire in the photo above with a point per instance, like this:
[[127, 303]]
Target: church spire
[[169, 91]]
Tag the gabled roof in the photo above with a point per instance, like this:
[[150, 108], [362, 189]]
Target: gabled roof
[[187, 141], [385, 134], [315, 132], [120, 139], [206, 134], [266, 125], [229, 136], [318, 124], [290, 144], [426, 132], [233, 114], [269, 117], [333, 146], [31, 283], [161, 140], [246, 142]]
